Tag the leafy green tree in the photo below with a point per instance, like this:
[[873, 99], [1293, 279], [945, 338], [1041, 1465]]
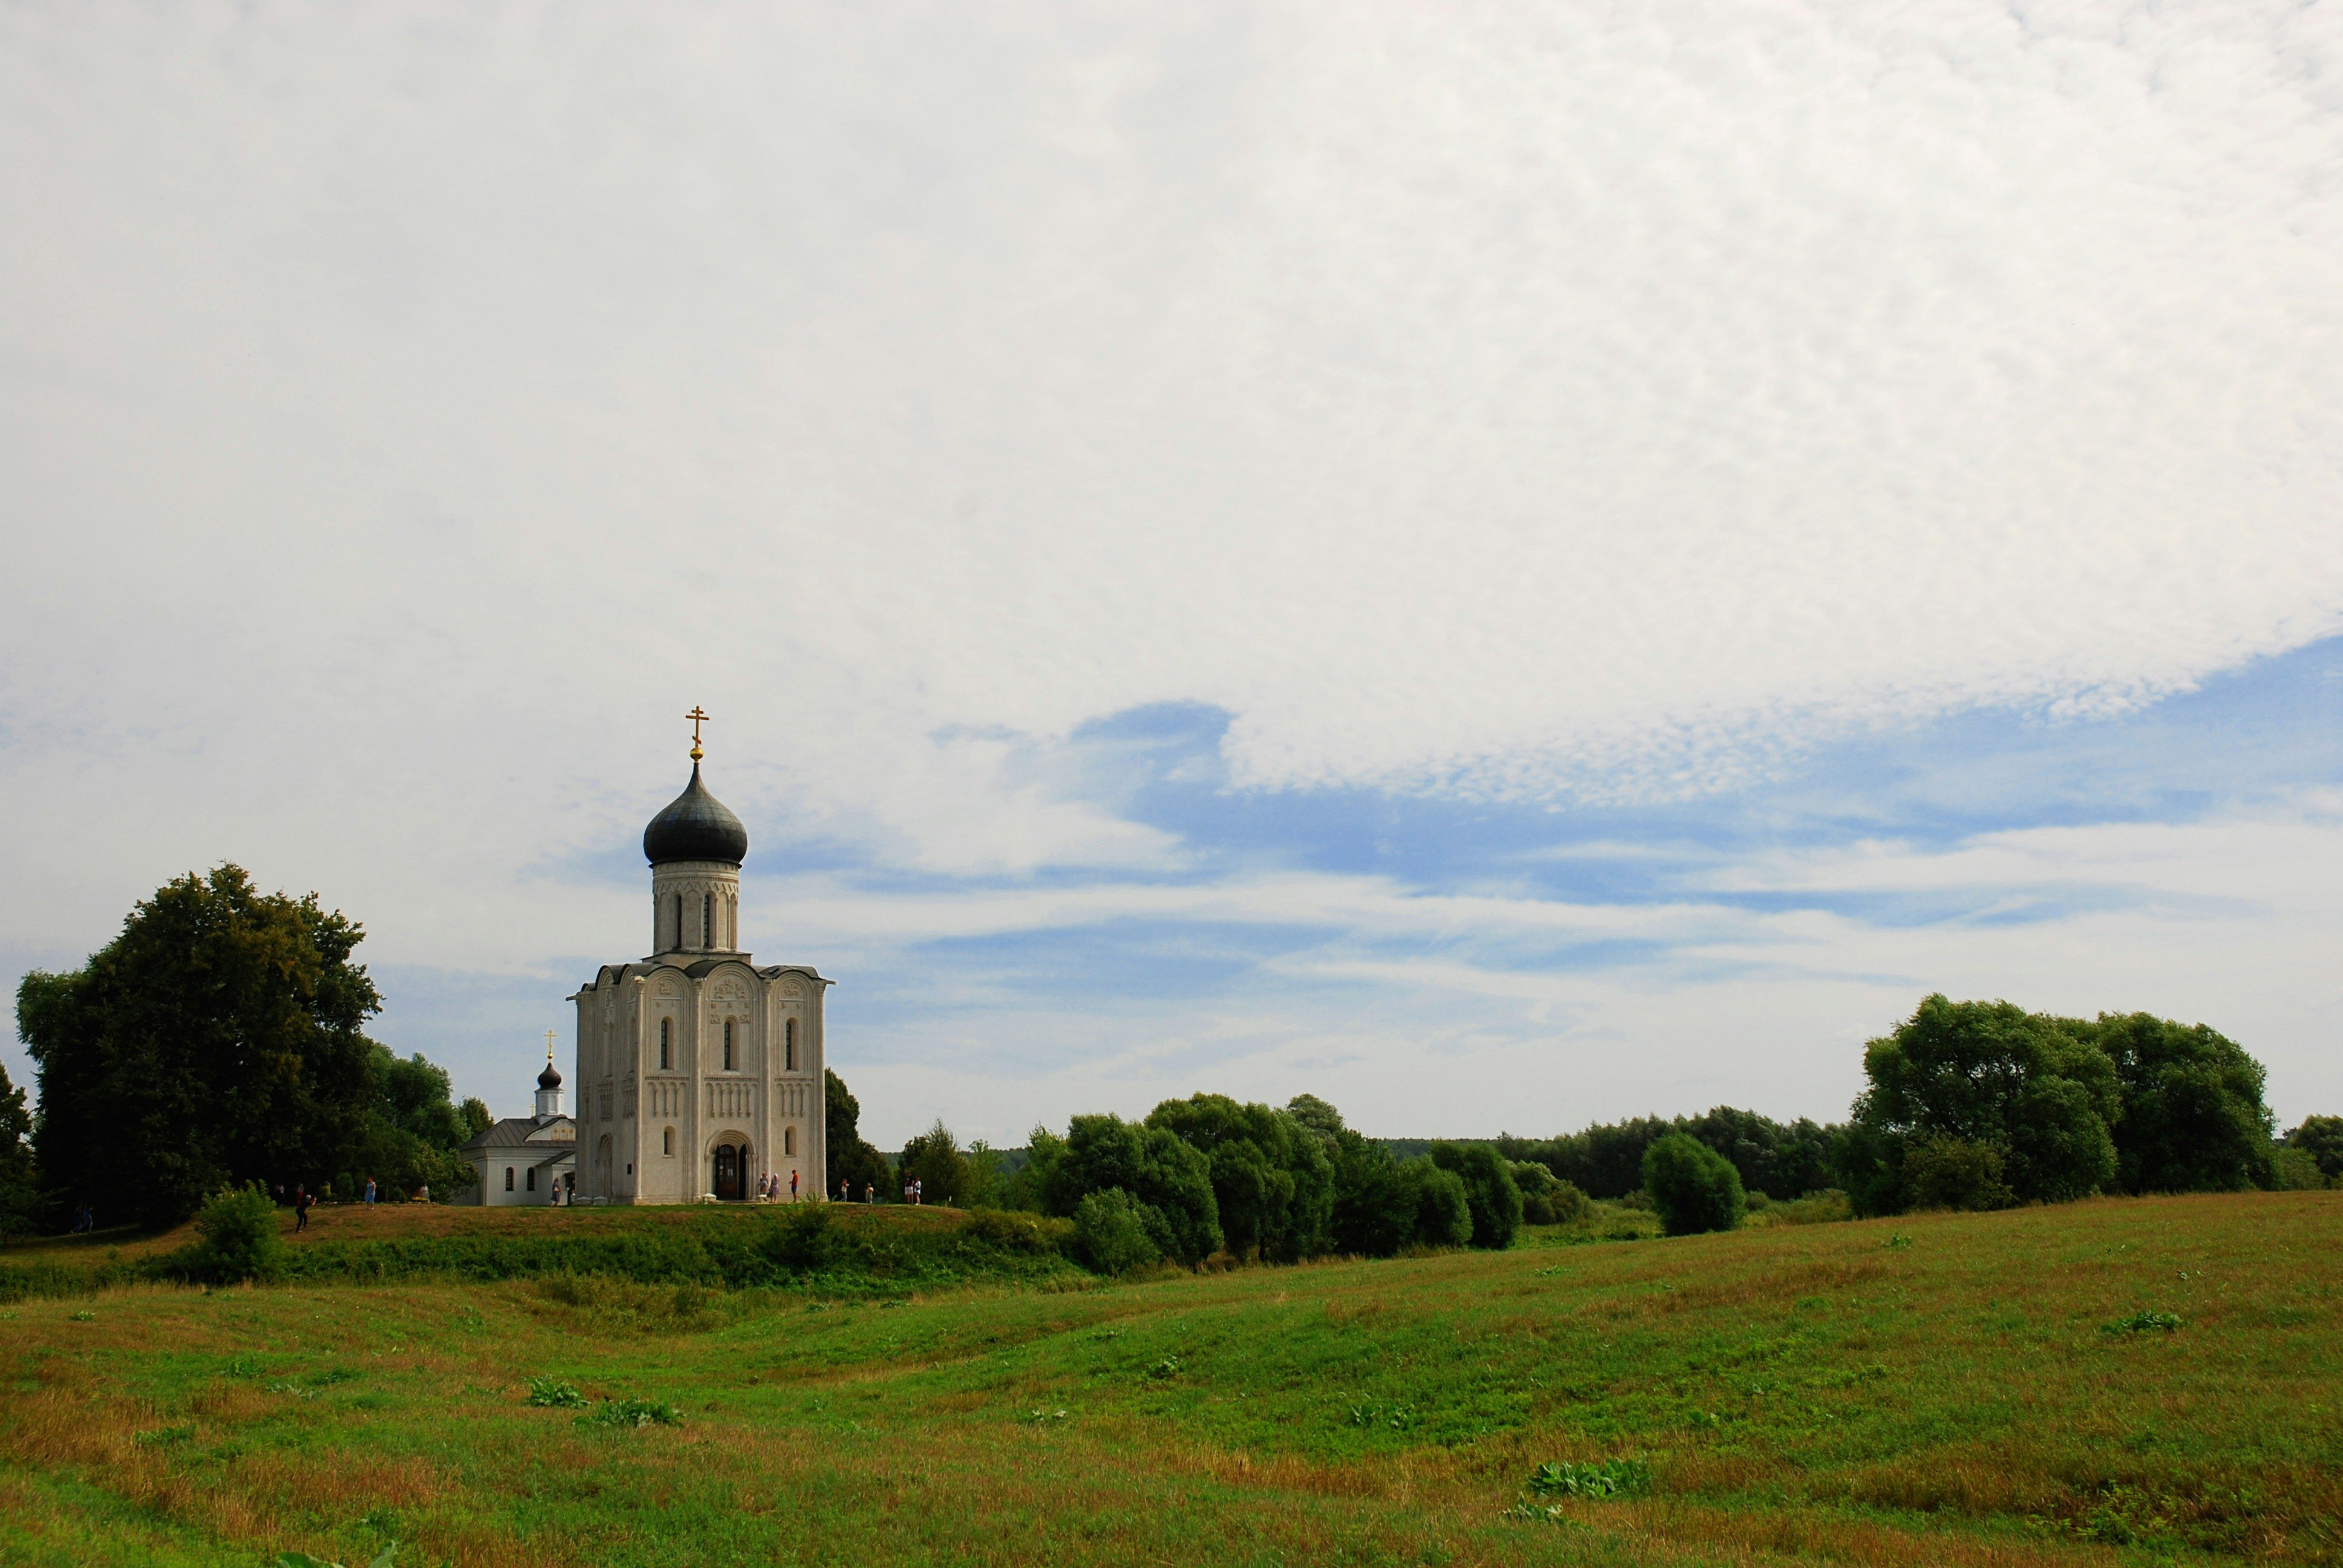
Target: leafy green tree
[[1029, 1186], [2027, 1084], [2321, 1138], [933, 1159], [1954, 1173], [412, 1129], [1441, 1204], [1494, 1201], [21, 1206], [475, 1116], [850, 1160], [1112, 1232], [1168, 1177], [1693, 1187], [219, 1039], [986, 1186], [2193, 1119], [1271, 1181]]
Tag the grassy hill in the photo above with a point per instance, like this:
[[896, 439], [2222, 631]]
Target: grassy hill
[[2149, 1380], [839, 1248]]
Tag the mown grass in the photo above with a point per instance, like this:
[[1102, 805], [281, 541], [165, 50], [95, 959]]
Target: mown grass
[[1799, 1393]]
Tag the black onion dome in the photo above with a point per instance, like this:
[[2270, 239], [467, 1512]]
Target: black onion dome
[[550, 1078], [695, 826]]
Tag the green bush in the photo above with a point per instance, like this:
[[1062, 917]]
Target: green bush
[[1112, 1232], [2321, 1138], [1490, 1194], [239, 1240], [1442, 1211], [1169, 1178], [1954, 1173], [2295, 1171], [1694, 1188]]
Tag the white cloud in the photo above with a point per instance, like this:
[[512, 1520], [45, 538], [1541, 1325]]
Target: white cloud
[[405, 413]]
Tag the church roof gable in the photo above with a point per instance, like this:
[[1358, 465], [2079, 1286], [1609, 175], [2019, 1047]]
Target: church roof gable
[[518, 1132]]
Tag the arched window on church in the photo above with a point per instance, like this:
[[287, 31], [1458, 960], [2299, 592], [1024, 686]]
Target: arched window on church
[[668, 1143], [789, 1045], [679, 919], [788, 1140], [667, 1030], [532, 1178], [509, 1178], [707, 920], [728, 1045]]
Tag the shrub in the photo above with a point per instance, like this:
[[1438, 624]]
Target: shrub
[[238, 1239], [1494, 1200], [2294, 1171], [2321, 1138], [1538, 1187], [1112, 1232], [1954, 1173], [1694, 1187], [1823, 1207], [1441, 1211]]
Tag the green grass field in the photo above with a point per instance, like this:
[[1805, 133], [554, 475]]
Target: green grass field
[[2144, 1380]]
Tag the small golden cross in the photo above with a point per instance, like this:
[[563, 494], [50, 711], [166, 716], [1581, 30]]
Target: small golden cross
[[549, 1045], [697, 718]]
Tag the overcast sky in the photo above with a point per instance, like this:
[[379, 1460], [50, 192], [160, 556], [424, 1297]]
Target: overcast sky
[[1502, 566]]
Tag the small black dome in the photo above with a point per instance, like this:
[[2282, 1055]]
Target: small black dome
[[550, 1078], [695, 826]]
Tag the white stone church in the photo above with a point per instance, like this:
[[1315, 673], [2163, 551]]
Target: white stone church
[[697, 1071]]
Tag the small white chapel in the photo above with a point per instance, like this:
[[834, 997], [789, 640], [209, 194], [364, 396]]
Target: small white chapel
[[527, 1159], [698, 1071]]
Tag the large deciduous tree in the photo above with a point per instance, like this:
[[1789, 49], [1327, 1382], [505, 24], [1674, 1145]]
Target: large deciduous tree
[[1270, 1177], [1168, 1178], [2032, 1087], [2193, 1119], [219, 1039]]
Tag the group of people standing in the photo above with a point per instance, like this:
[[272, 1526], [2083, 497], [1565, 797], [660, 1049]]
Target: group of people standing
[[768, 1188], [871, 1191]]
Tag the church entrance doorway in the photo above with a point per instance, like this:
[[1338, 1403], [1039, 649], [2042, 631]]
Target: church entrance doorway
[[732, 1182]]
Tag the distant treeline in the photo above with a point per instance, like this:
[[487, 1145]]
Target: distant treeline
[[1984, 1105], [1780, 1159]]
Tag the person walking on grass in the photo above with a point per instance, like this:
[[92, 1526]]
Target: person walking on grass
[[301, 1201]]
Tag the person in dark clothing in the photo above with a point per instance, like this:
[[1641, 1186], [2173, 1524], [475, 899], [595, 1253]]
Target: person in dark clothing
[[301, 1201]]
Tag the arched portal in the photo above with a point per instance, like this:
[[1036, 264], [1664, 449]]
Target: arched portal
[[728, 1170]]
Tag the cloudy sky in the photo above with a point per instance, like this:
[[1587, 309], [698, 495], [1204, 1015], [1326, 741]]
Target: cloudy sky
[[1505, 565]]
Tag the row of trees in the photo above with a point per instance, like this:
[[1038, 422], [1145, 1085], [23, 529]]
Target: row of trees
[[218, 1040], [1208, 1174], [1983, 1105]]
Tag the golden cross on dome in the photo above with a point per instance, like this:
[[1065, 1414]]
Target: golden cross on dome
[[548, 1046], [697, 718]]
